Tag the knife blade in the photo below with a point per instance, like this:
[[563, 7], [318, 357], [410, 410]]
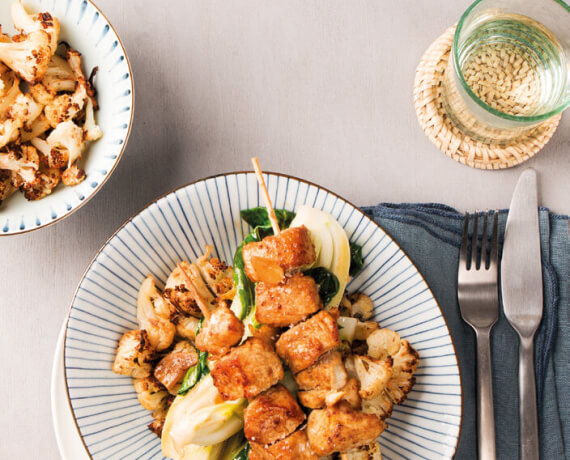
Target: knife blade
[[521, 285]]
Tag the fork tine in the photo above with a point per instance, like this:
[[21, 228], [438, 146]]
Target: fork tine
[[473, 265], [464, 240], [484, 260], [495, 239]]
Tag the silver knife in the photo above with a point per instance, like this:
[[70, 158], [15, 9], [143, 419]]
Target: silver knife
[[521, 283]]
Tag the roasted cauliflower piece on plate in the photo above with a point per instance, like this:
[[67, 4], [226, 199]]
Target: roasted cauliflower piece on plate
[[151, 393], [366, 452], [153, 315], [134, 355]]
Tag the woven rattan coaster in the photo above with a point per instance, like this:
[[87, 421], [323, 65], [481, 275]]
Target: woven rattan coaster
[[443, 133]]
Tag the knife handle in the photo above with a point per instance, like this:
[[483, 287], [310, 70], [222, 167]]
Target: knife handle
[[485, 414], [528, 412]]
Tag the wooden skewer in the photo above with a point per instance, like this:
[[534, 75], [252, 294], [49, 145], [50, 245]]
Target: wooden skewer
[[194, 291], [268, 205]]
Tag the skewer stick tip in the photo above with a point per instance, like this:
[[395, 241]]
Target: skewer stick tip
[[268, 204]]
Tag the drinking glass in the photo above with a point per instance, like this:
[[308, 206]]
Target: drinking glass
[[509, 68]]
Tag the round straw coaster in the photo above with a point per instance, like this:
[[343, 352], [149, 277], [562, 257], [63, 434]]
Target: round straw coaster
[[444, 134]]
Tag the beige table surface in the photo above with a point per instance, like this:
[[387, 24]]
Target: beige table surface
[[318, 89]]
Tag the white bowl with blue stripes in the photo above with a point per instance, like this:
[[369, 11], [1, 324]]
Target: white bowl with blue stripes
[[86, 29], [177, 227]]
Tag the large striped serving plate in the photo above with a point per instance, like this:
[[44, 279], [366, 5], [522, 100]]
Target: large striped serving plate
[[178, 226], [85, 28]]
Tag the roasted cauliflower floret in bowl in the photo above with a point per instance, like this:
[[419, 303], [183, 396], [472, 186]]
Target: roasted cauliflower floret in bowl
[[134, 355]]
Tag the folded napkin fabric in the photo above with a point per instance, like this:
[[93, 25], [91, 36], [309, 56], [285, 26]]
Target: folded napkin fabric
[[431, 236]]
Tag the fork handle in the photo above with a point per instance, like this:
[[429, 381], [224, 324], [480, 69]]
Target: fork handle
[[527, 390], [485, 419]]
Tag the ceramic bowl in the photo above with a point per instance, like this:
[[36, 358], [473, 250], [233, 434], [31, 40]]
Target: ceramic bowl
[[177, 227], [86, 29]]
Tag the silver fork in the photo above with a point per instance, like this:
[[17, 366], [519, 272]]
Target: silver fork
[[478, 295]]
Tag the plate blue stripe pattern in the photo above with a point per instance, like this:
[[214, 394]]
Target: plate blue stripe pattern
[[87, 30], [177, 227]]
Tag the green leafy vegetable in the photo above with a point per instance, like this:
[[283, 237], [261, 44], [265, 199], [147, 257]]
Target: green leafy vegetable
[[327, 283], [234, 446], [356, 259], [243, 453], [199, 326], [256, 324], [196, 372], [262, 232], [245, 289], [258, 217], [203, 363], [190, 379]]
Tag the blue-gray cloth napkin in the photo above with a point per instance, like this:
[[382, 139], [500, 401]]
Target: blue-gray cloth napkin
[[431, 235]]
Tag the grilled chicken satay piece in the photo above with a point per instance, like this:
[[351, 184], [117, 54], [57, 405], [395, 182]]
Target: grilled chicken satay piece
[[293, 447], [340, 428], [247, 370], [272, 416], [286, 303], [278, 254], [221, 331], [328, 373], [303, 344], [264, 332], [326, 382], [318, 398]]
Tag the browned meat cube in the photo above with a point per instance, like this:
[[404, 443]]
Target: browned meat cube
[[288, 302], [339, 428], [220, 332], [290, 250], [303, 344], [171, 369], [264, 332], [271, 416], [247, 370], [293, 447], [319, 398], [328, 373]]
